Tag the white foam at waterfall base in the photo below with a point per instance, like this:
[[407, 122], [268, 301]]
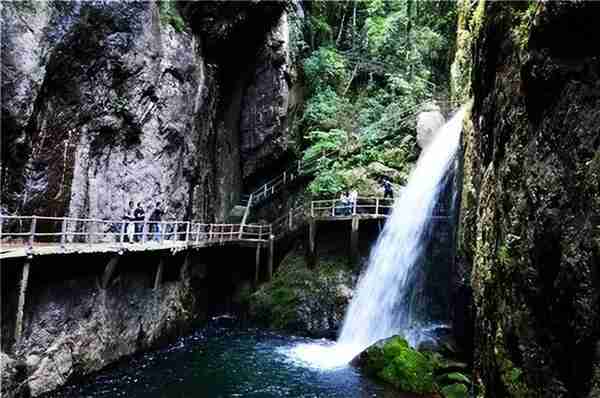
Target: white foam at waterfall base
[[381, 306]]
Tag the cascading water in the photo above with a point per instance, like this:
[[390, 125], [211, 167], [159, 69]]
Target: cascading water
[[382, 304]]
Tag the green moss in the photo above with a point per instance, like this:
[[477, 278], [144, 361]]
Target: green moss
[[403, 367], [455, 391], [460, 71], [297, 294], [511, 375], [169, 15], [478, 18], [457, 377], [395, 362], [524, 22]]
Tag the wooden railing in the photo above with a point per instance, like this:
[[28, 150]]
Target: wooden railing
[[30, 231], [362, 206], [290, 221], [300, 167], [34, 231]]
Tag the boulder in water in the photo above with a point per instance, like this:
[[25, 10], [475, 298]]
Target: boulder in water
[[429, 123], [423, 372], [395, 362]]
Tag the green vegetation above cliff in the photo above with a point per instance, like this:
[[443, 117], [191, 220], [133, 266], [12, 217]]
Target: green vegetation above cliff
[[368, 66]]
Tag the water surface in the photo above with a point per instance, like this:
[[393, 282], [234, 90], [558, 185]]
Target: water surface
[[226, 362]]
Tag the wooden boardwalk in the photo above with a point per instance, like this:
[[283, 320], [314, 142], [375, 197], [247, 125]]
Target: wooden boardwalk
[[27, 236]]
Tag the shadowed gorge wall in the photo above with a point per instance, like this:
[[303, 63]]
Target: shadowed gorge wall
[[531, 186]]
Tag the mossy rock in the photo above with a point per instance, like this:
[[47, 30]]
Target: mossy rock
[[395, 362], [301, 300], [456, 390]]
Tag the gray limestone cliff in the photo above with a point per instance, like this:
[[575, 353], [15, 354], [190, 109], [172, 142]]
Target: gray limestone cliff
[[103, 102], [106, 102]]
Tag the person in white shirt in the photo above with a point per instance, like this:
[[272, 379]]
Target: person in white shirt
[[353, 198], [128, 216]]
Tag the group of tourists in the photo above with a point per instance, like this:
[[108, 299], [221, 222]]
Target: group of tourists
[[136, 215], [346, 202], [348, 199]]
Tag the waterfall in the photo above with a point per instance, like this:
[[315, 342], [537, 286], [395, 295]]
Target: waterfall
[[382, 306], [383, 303]]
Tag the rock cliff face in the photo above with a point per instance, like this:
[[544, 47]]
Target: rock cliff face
[[75, 325], [531, 187], [106, 102]]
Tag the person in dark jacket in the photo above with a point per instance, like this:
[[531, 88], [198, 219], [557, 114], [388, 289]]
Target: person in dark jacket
[[138, 215], [155, 219], [388, 189]]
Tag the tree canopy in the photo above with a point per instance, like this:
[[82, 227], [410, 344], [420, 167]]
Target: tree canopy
[[368, 65]]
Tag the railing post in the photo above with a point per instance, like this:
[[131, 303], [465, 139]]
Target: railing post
[[210, 232], [122, 235], [91, 232], [163, 230], [290, 220], [187, 232], [198, 234], [144, 227], [312, 208], [284, 178], [333, 208], [32, 233], [354, 206], [63, 233], [265, 190], [298, 166], [376, 206]]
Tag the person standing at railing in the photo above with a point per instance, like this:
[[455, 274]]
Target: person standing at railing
[[129, 216], [388, 189], [155, 219], [138, 215], [353, 198], [344, 204]]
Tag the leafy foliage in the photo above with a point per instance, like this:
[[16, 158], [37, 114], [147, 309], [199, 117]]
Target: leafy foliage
[[370, 64], [169, 15]]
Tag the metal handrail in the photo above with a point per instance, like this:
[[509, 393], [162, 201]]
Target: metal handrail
[[95, 231], [92, 231]]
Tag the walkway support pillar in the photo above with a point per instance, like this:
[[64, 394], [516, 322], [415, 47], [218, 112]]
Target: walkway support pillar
[[109, 271], [271, 255], [159, 275], [257, 267], [21, 302], [312, 234], [184, 273], [354, 252]]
